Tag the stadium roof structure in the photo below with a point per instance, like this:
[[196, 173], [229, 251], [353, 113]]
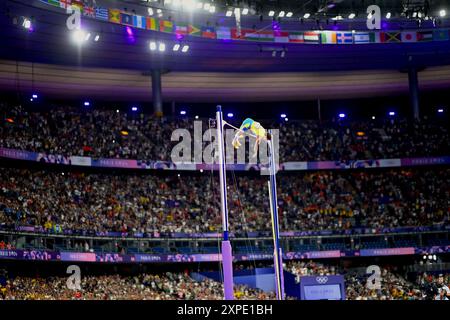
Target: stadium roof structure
[[110, 84], [211, 67]]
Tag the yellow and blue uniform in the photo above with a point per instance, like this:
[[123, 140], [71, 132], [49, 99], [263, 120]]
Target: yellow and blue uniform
[[254, 127]]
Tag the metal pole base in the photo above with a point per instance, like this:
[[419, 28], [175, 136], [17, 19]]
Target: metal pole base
[[227, 263]]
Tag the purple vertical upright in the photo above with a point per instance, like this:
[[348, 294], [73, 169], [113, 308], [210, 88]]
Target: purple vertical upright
[[277, 252], [227, 257]]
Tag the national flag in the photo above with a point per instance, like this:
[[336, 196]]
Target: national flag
[[152, 24], [281, 36], [376, 37], [328, 37], [209, 32], [296, 37], [182, 28], [440, 35], [223, 33], [344, 37], [126, 19], [390, 37], [114, 15], [89, 11], [194, 31], [139, 22], [409, 36], [55, 3], [311, 37], [101, 13], [367, 37], [361, 37], [166, 26], [424, 36], [259, 36], [239, 36], [65, 3], [77, 5]]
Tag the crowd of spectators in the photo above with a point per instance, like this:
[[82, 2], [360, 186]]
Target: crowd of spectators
[[112, 134], [135, 203], [166, 286], [6, 245], [181, 286]]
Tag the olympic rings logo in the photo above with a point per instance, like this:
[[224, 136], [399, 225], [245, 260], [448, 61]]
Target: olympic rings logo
[[322, 280]]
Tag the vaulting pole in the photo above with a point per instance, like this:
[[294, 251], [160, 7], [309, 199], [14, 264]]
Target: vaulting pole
[[277, 252], [227, 257]]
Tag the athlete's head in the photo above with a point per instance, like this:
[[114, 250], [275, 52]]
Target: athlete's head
[[247, 124]]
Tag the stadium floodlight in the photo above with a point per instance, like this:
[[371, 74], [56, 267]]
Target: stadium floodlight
[[245, 11], [31, 99], [185, 48], [306, 15], [341, 115], [134, 109], [388, 15], [289, 14], [162, 47], [152, 45], [176, 47], [286, 119], [442, 13], [196, 117], [183, 112], [271, 13], [434, 257], [117, 111], [229, 13], [391, 113], [34, 96], [373, 117], [281, 14], [352, 15], [430, 257], [97, 37], [78, 36], [26, 24], [283, 115], [189, 4], [230, 115], [440, 110], [87, 103]]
